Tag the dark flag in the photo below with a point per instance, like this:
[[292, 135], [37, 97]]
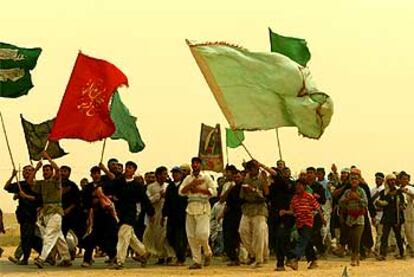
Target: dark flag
[[211, 151], [36, 138]]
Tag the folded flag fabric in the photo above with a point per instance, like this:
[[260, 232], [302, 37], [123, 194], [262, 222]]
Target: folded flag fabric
[[294, 48], [36, 139], [261, 91], [84, 111], [125, 125], [234, 138], [15, 66]]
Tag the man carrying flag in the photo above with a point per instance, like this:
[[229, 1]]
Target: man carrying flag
[[51, 214]]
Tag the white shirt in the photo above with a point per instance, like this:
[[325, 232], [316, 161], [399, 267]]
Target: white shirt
[[377, 191], [409, 198], [197, 202]]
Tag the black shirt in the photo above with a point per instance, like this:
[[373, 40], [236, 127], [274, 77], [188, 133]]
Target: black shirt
[[128, 195], [27, 209], [175, 204], [281, 192], [393, 213], [233, 201], [70, 196], [318, 189]]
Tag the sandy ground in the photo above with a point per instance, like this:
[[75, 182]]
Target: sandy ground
[[331, 267]]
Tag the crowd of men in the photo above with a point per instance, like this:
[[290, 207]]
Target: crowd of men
[[245, 215]]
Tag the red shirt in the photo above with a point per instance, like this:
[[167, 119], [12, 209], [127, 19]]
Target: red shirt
[[303, 206]]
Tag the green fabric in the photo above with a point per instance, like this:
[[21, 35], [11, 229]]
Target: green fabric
[[125, 125], [261, 91], [294, 48], [234, 138], [15, 66], [51, 191], [36, 137]]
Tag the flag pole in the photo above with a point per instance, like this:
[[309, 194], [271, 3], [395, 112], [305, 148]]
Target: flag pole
[[247, 150], [7, 141], [242, 144], [103, 150], [278, 144], [17, 178], [227, 154]]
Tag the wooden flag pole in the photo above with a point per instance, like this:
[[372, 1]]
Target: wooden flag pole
[[242, 144], [17, 178], [278, 144], [247, 150], [227, 154], [103, 150], [7, 141]]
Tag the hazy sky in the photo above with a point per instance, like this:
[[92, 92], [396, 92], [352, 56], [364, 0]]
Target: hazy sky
[[361, 56]]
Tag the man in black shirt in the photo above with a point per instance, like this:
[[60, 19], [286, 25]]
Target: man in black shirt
[[70, 202], [26, 213], [281, 193], [319, 193], [174, 210], [232, 216], [129, 193], [109, 186], [98, 218]]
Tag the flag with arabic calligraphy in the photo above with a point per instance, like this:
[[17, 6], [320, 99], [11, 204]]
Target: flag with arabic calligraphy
[[15, 66], [84, 111]]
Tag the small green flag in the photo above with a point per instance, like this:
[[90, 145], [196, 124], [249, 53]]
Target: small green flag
[[234, 138], [15, 66], [294, 48], [125, 125], [36, 137]]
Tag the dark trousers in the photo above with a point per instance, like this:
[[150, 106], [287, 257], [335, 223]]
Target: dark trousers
[[29, 240], [343, 235], [177, 238], [231, 236], [317, 239], [386, 228], [304, 245], [283, 244], [367, 241], [355, 235], [104, 235]]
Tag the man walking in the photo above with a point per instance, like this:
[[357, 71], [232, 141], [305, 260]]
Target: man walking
[[199, 188]]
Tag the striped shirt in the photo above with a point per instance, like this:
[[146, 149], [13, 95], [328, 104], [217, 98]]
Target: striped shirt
[[303, 206]]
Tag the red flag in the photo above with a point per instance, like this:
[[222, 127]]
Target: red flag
[[84, 111]]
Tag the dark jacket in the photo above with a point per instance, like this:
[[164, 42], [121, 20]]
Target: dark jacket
[[174, 205], [128, 195]]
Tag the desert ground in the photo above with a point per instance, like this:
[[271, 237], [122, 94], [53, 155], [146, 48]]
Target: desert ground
[[331, 267]]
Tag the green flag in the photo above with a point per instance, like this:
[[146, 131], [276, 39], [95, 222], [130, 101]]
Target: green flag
[[36, 137], [15, 66], [293, 48], [234, 138], [125, 125], [261, 91]]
